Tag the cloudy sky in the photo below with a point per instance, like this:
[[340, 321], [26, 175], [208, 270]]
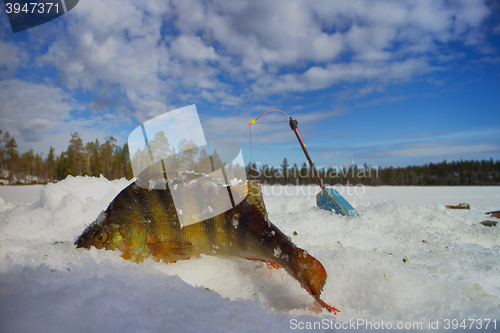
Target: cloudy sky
[[382, 82]]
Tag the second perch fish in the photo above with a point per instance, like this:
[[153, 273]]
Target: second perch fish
[[143, 223]]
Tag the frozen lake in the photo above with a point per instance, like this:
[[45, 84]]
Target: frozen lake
[[407, 262]]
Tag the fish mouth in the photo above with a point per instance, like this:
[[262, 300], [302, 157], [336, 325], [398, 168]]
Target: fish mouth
[[82, 239], [80, 242]]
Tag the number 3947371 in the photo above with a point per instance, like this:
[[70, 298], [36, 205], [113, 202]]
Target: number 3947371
[[32, 8]]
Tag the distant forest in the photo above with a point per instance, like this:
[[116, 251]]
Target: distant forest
[[113, 162], [485, 172], [91, 159]]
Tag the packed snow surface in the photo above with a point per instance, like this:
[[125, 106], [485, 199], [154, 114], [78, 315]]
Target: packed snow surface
[[407, 262]]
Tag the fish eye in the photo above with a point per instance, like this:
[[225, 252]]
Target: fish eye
[[100, 236]]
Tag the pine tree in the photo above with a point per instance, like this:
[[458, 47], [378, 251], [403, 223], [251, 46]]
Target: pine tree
[[2, 158], [204, 162], [38, 168], [27, 166], [187, 155], [51, 166], [118, 171], [75, 155], [160, 147], [107, 150], [127, 166], [62, 166], [12, 156], [284, 172], [95, 158]]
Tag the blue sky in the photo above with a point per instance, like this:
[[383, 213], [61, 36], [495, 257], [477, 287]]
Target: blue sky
[[378, 82]]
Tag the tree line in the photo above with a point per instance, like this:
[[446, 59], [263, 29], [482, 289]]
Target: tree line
[[484, 172], [90, 159], [113, 162]]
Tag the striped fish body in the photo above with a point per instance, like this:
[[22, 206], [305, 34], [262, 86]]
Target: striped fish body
[[143, 223]]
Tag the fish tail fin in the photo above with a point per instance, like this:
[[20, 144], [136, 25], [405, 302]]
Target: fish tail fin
[[312, 275]]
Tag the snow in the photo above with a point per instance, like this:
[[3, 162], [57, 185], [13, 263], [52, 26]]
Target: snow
[[407, 259], [28, 193]]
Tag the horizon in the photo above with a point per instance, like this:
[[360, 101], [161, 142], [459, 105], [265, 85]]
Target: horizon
[[386, 83], [338, 167]]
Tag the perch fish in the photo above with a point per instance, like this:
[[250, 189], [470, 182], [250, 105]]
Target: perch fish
[[142, 223]]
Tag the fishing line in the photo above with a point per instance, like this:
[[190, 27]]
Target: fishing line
[[270, 122], [251, 152], [253, 120], [293, 125]]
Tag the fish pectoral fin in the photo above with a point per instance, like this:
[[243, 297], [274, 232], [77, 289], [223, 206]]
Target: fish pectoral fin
[[170, 248], [270, 264]]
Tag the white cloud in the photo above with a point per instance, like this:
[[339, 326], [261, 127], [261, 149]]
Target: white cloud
[[113, 45], [11, 57], [409, 153], [158, 55], [272, 129], [192, 47], [445, 150], [33, 106], [41, 115], [283, 45], [322, 77]]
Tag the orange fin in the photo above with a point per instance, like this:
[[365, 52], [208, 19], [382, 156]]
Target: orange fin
[[173, 262], [329, 307], [270, 264]]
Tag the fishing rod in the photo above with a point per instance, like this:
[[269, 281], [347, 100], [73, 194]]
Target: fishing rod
[[327, 198], [293, 125]]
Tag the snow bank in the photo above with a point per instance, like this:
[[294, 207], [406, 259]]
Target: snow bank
[[406, 261]]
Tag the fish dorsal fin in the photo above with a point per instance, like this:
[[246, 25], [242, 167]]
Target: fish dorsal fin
[[254, 196], [240, 189]]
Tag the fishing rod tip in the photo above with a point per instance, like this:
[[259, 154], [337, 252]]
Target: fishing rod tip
[[251, 122]]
